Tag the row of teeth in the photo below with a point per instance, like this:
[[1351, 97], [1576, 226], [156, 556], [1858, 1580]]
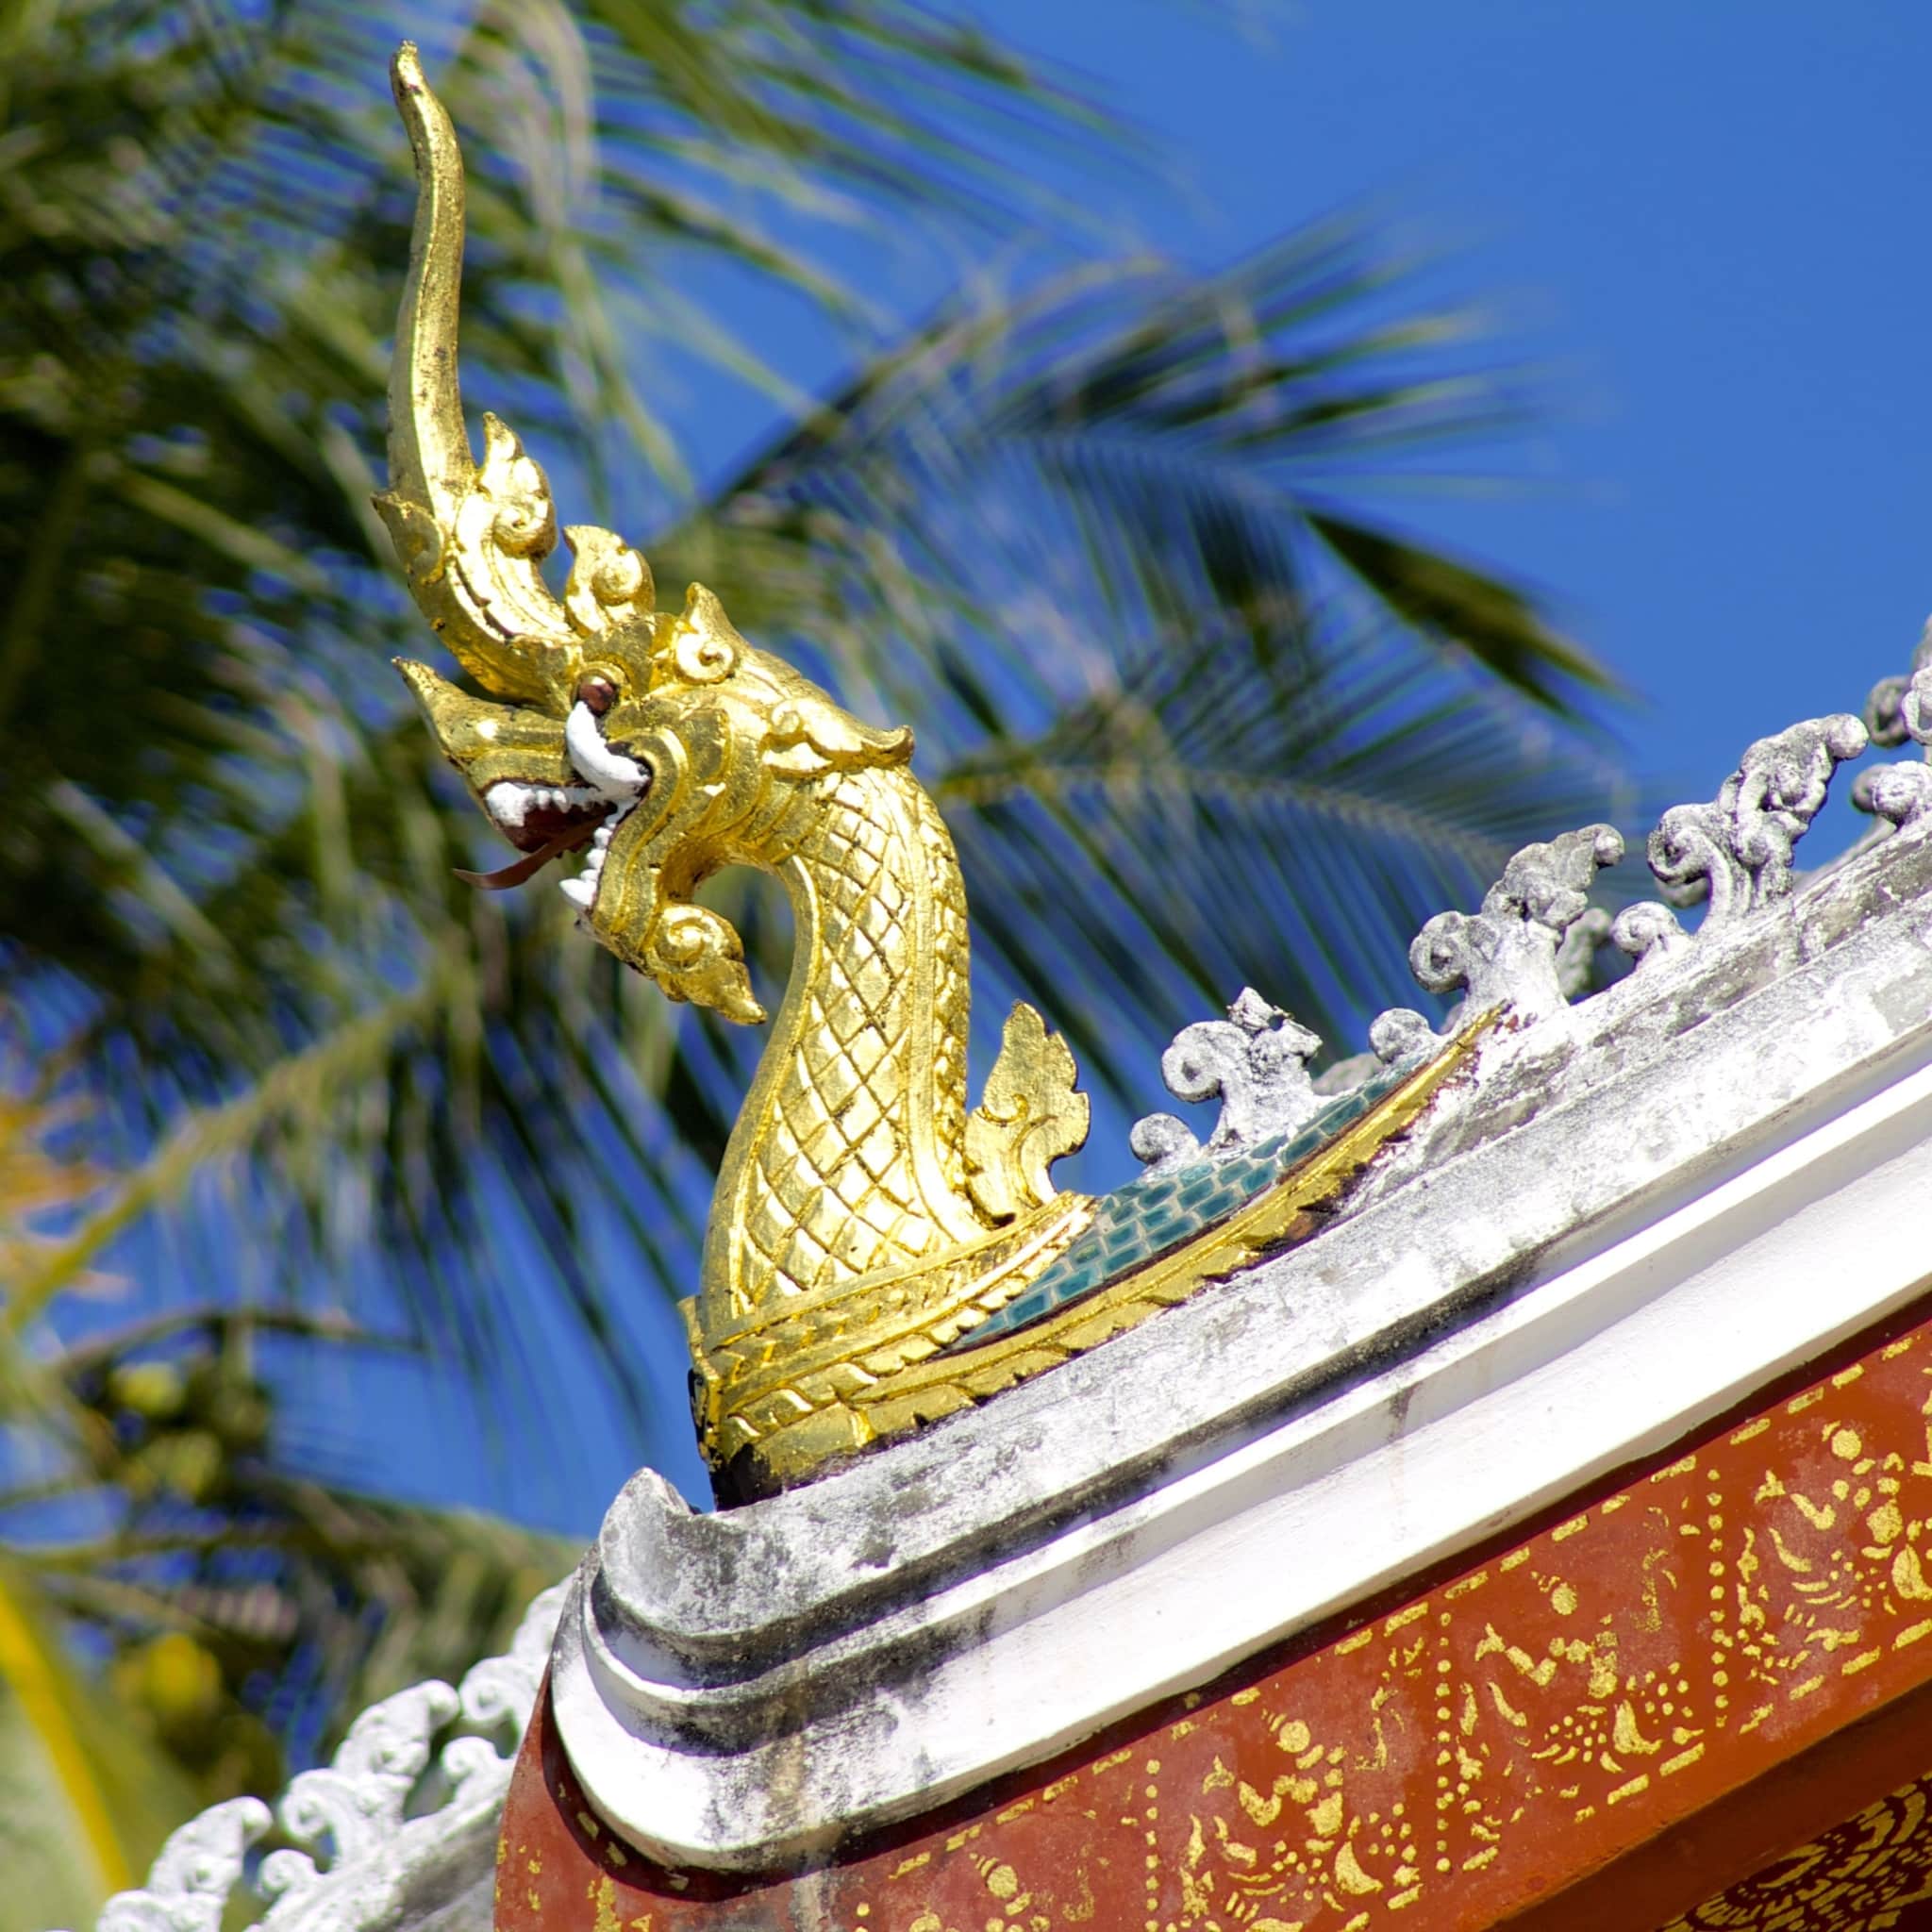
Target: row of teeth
[[510, 803], [582, 891]]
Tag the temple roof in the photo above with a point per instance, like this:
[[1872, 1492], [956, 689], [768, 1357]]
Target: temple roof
[[1627, 1209]]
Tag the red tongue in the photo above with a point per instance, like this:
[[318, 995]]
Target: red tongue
[[530, 864]]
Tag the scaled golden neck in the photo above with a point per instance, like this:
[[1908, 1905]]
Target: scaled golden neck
[[849, 1156]]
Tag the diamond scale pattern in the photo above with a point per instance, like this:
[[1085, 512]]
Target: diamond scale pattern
[[833, 1187], [950, 944]]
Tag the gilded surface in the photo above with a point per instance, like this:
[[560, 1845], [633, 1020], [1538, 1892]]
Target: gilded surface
[[1475, 1750], [864, 1219]]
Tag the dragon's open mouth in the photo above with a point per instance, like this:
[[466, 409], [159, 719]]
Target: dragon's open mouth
[[544, 822], [533, 817]]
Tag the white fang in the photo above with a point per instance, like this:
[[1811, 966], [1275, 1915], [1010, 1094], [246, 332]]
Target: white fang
[[614, 776]]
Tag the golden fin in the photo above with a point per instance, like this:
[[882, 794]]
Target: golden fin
[[1030, 1114], [806, 735]]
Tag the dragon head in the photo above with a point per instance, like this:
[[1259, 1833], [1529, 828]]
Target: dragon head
[[659, 745]]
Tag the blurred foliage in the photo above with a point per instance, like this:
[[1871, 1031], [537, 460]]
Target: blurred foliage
[[1106, 536], [182, 1616]]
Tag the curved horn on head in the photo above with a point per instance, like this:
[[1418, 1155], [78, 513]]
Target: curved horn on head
[[471, 539]]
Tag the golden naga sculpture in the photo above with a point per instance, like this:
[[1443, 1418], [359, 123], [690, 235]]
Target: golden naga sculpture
[[865, 1224]]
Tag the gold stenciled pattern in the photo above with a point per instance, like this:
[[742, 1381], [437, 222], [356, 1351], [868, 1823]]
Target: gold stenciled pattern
[[1620, 1667], [1856, 1877]]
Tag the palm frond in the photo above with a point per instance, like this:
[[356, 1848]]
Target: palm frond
[[207, 218], [1153, 645], [83, 1805]]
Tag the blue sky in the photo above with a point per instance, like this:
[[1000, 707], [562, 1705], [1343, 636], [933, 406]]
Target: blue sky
[[1706, 225]]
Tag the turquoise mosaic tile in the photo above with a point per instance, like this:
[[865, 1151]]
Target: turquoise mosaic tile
[[1143, 1220]]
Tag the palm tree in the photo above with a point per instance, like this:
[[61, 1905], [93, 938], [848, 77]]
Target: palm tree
[[1103, 538]]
